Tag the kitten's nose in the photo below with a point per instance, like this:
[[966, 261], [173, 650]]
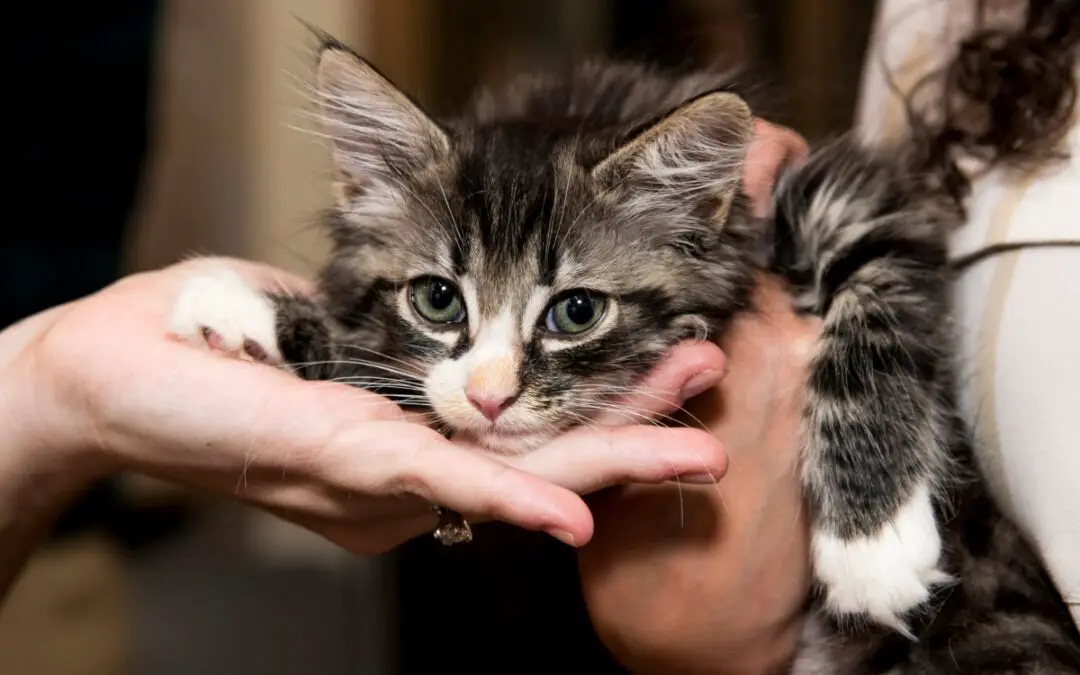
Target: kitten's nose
[[490, 404]]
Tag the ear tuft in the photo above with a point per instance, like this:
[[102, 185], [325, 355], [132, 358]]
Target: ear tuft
[[689, 159], [377, 131]]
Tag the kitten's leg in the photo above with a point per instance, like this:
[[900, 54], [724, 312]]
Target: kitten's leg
[[305, 337], [223, 313], [867, 253], [875, 444]]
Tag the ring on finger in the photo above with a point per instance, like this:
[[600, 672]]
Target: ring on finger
[[452, 528]]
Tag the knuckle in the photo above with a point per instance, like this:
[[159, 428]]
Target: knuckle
[[409, 481], [355, 460], [408, 473], [489, 502]]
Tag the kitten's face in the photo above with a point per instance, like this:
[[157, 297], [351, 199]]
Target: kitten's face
[[524, 277]]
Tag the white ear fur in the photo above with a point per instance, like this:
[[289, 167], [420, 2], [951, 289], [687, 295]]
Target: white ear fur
[[375, 129], [695, 153]]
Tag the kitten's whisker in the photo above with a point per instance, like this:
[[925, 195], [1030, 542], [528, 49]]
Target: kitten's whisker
[[601, 407], [376, 386], [403, 362], [360, 365], [450, 213], [682, 500], [410, 383], [565, 197], [633, 391], [668, 419], [580, 215], [370, 404], [363, 363], [583, 420], [621, 410], [366, 382]]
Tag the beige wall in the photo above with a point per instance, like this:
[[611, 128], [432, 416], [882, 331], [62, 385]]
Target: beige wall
[[230, 174]]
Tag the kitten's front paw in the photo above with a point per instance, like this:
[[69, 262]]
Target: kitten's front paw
[[884, 576], [220, 311]]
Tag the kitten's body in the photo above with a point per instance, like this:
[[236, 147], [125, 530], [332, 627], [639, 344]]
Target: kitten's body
[[626, 182]]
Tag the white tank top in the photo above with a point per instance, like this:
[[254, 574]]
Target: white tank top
[[1018, 312]]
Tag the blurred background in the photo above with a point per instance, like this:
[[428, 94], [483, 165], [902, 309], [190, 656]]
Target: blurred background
[[174, 123]]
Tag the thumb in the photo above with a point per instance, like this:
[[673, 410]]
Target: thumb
[[691, 368], [772, 149]]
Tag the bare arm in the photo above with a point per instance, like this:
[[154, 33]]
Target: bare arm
[[37, 479]]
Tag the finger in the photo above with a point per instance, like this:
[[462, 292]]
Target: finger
[[772, 148], [586, 460], [369, 538], [400, 458], [689, 369]]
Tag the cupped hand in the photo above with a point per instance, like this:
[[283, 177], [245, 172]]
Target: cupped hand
[[714, 580], [106, 390]]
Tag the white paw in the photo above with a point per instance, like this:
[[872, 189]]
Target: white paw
[[220, 311], [888, 574]]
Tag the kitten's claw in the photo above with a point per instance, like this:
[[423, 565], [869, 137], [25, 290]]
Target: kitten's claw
[[887, 575], [212, 338], [220, 311]]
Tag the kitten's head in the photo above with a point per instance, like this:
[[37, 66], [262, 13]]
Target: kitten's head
[[525, 271]]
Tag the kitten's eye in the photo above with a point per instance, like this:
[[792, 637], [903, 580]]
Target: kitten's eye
[[437, 300], [575, 312]]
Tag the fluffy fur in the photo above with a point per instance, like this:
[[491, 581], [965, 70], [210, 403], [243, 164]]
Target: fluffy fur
[[613, 193]]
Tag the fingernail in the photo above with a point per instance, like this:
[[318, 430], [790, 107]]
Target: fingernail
[[699, 479], [563, 536], [700, 383]]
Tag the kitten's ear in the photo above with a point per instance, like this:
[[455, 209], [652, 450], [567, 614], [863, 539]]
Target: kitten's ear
[[378, 133], [689, 160]]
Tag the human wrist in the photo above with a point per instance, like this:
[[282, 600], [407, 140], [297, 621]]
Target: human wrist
[[40, 470], [39, 426]]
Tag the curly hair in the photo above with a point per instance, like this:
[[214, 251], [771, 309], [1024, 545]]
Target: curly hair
[[1007, 97]]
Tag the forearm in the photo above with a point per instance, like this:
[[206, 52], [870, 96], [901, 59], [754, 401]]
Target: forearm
[[36, 481], [30, 502]]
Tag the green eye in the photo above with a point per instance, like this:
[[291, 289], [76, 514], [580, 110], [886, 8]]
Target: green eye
[[575, 312], [437, 300]]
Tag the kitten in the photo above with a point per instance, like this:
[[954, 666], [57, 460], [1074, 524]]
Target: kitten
[[514, 267]]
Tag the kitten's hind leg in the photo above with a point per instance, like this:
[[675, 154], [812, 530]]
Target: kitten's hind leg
[[876, 443]]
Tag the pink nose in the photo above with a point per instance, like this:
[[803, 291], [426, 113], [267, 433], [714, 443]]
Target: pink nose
[[490, 405]]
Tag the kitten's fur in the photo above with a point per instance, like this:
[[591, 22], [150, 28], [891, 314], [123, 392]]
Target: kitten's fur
[[626, 182]]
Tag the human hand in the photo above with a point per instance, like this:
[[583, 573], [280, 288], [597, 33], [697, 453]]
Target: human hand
[[772, 148], [96, 386], [714, 580]]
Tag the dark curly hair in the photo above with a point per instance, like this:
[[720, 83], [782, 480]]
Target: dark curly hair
[[1007, 97]]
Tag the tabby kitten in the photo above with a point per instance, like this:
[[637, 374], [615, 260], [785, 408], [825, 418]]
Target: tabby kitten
[[513, 267]]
